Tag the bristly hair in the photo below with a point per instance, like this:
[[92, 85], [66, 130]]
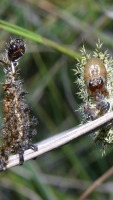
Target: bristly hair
[[97, 100], [17, 126]]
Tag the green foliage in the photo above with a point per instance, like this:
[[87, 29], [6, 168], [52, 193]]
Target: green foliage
[[54, 32]]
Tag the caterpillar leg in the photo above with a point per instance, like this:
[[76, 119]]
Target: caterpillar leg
[[21, 158]]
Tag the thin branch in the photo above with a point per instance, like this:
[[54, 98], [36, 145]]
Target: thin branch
[[61, 139], [96, 183]]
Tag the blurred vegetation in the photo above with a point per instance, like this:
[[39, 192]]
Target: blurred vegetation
[[54, 32]]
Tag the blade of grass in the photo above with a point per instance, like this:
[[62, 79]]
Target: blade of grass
[[37, 38], [45, 191]]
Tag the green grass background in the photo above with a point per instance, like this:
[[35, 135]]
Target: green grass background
[[54, 32]]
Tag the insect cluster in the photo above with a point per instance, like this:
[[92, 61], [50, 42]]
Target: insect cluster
[[95, 81], [17, 129]]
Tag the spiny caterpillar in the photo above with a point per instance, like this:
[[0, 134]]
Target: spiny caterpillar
[[17, 129], [95, 81]]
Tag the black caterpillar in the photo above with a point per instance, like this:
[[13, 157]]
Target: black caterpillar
[[17, 126]]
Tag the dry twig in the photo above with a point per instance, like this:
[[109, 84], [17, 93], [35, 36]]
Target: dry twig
[[61, 139], [96, 183]]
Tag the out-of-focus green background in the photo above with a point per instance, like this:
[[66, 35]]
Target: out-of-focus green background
[[64, 173]]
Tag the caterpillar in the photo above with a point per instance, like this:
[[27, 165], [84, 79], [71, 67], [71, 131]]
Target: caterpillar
[[94, 78], [18, 128]]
